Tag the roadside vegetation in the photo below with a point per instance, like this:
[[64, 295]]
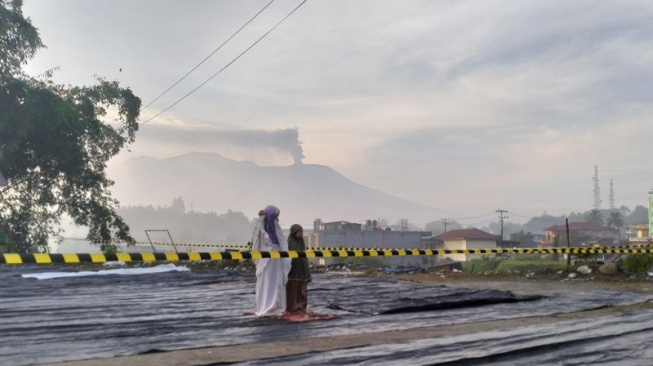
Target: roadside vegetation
[[637, 263], [513, 265]]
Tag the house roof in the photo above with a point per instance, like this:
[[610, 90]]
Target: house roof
[[631, 226], [471, 233], [339, 222], [580, 226]]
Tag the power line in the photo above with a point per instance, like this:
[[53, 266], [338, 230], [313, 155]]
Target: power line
[[229, 64], [209, 56], [474, 217], [521, 215], [479, 223], [117, 74]]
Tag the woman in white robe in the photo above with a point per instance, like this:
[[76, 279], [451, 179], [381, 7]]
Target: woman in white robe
[[271, 274]]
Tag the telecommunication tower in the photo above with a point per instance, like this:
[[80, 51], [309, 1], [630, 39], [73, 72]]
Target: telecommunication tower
[[597, 189], [611, 198]]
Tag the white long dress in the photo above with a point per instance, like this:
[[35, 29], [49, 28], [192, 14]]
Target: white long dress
[[271, 274]]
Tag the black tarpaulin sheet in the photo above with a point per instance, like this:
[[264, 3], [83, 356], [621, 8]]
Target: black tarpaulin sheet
[[72, 318]]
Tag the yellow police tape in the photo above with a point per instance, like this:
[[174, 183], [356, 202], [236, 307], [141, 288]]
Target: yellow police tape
[[74, 258]]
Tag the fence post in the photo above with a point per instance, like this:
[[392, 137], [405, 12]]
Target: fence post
[[568, 246]]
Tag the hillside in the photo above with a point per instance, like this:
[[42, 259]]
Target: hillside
[[303, 192]]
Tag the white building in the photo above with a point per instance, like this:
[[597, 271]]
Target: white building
[[467, 239]]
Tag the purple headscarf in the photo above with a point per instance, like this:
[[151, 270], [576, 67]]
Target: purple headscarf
[[271, 215]]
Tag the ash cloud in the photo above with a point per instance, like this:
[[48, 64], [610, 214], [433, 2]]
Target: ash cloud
[[284, 140]]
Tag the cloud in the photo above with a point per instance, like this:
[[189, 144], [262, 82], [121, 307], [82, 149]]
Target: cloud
[[194, 137], [546, 167], [457, 104]]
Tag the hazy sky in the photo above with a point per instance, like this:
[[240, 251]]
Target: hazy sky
[[468, 106]]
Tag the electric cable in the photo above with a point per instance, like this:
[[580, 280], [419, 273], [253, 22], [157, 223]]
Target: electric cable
[[227, 65], [209, 56]]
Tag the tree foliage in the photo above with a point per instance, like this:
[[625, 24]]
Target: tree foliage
[[594, 216], [188, 226], [526, 238], [615, 220], [638, 216], [55, 141], [437, 227], [538, 224]]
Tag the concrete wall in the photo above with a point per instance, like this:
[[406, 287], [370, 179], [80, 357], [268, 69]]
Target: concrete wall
[[456, 244], [368, 239]]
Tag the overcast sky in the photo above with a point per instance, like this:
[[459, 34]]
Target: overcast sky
[[468, 106]]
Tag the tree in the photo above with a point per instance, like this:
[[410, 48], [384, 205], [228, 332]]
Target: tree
[[55, 143], [189, 227], [437, 227], [178, 205], [638, 216], [594, 216], [624, 210], [523, 237], [615, 220], [508, 228]]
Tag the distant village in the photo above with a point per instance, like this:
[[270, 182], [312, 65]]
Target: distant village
[[187, 230], [370, 235]]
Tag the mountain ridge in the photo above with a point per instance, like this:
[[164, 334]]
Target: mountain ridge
[[210, 182]]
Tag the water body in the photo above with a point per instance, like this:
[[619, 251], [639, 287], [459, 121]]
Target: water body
[[58, 313]]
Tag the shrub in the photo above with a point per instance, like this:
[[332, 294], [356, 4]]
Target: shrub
[[637, 263], [517, 264], [533, 264], [482, 265]]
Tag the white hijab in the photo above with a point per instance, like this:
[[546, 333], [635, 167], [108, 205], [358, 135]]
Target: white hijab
[[259, 236]]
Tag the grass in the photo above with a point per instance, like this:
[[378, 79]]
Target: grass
[[524, 266], [515, 264], [637, 263]]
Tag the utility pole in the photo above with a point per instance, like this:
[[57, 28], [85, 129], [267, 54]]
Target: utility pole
[[568, 243], [501, 217], [446, 221]]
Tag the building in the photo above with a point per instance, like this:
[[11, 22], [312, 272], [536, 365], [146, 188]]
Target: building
[[580, 233], [466, 239], [638, 234], [343, 234], [337, 226], [351, 235]]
